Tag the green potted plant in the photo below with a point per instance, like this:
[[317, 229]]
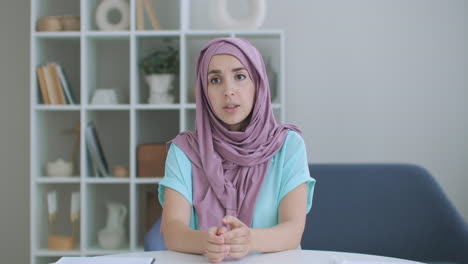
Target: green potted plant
[[160, 68]]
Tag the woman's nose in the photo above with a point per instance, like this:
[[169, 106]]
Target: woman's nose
[[228, 89]]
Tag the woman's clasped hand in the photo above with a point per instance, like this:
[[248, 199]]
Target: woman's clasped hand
[[235, 241]]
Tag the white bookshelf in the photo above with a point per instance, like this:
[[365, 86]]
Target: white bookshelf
[[96, 59]]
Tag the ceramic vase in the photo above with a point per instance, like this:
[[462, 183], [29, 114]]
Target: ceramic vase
[[113, 235]]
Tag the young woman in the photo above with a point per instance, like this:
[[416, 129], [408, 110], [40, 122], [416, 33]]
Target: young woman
[[240, 182]]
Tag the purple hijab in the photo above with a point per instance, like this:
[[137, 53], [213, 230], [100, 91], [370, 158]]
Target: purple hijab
[[229, 166]]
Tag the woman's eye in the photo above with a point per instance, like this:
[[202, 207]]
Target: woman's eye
[[241, 76], [215, 80]]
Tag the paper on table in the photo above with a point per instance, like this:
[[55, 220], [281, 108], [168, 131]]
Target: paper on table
[[369, 262], [336, 260], [106, 260]]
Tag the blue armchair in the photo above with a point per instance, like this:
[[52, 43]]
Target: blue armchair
[[153, 239], [392, 210]]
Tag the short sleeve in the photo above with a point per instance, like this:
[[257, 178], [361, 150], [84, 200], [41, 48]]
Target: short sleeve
[[178, 174], [296, 168]]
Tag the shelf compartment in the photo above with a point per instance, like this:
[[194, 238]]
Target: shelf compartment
[[56, 137], [148, 210], [113, 132], [149, 124], [66, 53], [269, 46], [145, 45], [108, 67], [63, 224], [98, 195], [194, 43], [54, 8]]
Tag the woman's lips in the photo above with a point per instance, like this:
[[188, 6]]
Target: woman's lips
[[231, 109]]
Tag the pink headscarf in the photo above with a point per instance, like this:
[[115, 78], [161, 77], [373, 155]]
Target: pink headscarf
[[229, 166]]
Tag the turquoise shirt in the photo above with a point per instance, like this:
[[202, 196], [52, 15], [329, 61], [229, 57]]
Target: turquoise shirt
[[288, 169]]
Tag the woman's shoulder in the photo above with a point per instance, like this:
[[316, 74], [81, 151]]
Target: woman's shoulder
[[293, 144], [293, 138], [176, 153]]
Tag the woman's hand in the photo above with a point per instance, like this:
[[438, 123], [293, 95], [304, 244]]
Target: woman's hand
[[239, 238], [215, 249]]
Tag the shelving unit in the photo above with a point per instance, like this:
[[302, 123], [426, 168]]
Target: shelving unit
[[95, 59]]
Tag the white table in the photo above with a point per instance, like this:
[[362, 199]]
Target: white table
[[289, 257]]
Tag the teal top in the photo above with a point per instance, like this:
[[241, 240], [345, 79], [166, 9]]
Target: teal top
[[288, 169]]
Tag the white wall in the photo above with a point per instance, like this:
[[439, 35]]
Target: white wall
[[14, 131], [367, 81], [377, 81]]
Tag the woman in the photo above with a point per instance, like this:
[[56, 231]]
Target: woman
[[240, 182]]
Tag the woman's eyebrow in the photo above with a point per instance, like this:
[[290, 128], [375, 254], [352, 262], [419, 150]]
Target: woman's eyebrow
[[238, 69], [219, 71], [214, 71]]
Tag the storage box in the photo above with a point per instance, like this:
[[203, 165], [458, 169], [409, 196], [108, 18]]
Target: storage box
[[151, 160], [55, 242]]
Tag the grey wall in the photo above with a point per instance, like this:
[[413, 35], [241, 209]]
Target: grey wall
[[14, 131], [367, 81], [376, 81], [381, 81]]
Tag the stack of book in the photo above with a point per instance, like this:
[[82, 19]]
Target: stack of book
[[53, 84]]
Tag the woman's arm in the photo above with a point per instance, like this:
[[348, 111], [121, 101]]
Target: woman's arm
[[178, 236], [288, 233], [284, 236]]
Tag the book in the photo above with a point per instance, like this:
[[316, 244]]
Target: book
[[66, 88], [56, 83], [42, 85], [106, 260], [50, 85], [96, 152]]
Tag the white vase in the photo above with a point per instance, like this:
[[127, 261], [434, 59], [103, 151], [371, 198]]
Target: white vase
[[112, 236], [161, 85], [59, 168]]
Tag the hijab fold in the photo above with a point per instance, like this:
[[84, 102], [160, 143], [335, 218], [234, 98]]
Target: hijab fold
[[228, 167]]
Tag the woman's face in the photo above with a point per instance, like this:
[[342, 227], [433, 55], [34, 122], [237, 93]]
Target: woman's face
[[231, 90]]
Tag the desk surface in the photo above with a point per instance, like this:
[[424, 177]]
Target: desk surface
[[290, 257]]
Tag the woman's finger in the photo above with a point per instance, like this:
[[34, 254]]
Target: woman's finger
[[212, 237], [221, 230], [237, 254], [232, 221], [230, 236], [237, 248]]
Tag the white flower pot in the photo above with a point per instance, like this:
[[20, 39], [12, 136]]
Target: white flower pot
[[160, 86]]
